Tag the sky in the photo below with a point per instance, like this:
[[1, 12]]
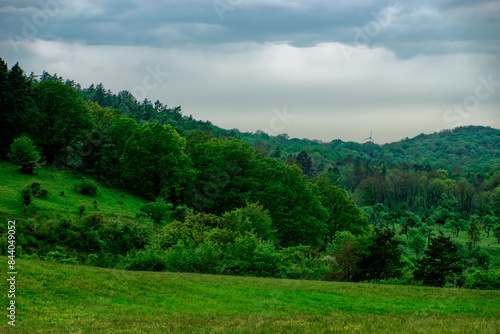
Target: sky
[[317, 69]]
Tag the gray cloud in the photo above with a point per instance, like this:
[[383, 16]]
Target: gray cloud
[[342, 69]]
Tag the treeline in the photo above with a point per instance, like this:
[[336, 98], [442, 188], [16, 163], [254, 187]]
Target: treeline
[[217, 204]]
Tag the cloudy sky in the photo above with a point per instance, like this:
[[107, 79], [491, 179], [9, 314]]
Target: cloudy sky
[[318, 69]]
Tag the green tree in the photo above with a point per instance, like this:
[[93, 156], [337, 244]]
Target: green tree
[[496, 232], [346, 255], [456, 225], [23, 153], [305, 162], [154, 163], [290, 197], [15, 104], [489, 222], [59, 119], [382, 259], [440, 263], [474, 232], [343, 214]]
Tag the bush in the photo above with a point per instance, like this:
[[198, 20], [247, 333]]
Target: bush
[[87, 187], [483, 279], [59, 257], [37, 190], [26, 196], [159, 210], [151, 258]]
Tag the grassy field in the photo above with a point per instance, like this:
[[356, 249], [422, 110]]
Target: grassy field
[[55, 298], [110, 202]]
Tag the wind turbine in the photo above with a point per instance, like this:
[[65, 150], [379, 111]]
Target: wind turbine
[[370, 139]]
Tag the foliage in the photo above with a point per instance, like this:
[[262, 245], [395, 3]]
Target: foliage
[[23, 153], [382, 258], [26, 195], [440, 263], [482, 279], [58, 120], [148, 259], [159, 210], [87, 187], [154, 163]]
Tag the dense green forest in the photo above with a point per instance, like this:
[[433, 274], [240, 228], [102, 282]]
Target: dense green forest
[[221, 201]]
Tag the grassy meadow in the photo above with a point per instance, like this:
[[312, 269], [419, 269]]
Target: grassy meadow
[[56, 298], [63, 199]]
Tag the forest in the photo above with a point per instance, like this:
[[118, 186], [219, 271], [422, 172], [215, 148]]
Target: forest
[[421, 211]]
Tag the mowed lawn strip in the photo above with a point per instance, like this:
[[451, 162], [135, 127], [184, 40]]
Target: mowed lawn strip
[[53, 297]]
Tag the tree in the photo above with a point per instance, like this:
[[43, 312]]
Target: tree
[[15, 103], [346, 255], [496, 232], [474, 232], [456, 225], [23, 153], [154, 163], [343, 214], [382, 259], [440, 263], [489, 222], [59, 119], [290, 197], [305, 162]]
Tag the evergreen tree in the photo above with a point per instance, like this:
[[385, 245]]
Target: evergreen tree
[[440, 263], [305, 162], [383, 257], [15, 103]]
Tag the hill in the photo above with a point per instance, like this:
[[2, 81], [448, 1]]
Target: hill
[[59, 298]]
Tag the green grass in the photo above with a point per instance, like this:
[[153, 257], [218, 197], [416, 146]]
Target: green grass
[[55, 298], [111, 202]]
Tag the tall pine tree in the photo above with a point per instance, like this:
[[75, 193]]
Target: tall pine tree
[[440, 263]]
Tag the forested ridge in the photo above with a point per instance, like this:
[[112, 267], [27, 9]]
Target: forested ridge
[[226, 202]]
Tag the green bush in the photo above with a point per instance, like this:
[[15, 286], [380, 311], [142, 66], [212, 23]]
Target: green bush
[[159, 210], [87, 187], [26, 196], [151, 258], [37, 190], [59, 257], [483, 279]]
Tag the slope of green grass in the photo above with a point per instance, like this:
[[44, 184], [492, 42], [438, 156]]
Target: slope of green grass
[[55, 298], [110, 202]]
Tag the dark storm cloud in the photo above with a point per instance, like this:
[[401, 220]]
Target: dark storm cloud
[[417, 27]]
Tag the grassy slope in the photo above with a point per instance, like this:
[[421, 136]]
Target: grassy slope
[[54, 298], [56, 181]]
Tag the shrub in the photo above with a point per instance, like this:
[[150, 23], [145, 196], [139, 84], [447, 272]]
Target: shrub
[[483, 279], [26, 196], [87, 187], [59, 257], [159, 210], [151, 258], [37, 190]]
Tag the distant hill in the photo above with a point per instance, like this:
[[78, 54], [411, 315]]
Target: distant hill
[[471, 149]]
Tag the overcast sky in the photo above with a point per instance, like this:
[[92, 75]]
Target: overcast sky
[[318, 69]]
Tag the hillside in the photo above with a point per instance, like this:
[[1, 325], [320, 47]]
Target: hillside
[[68, 299], [139, 186], [471, 149]]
